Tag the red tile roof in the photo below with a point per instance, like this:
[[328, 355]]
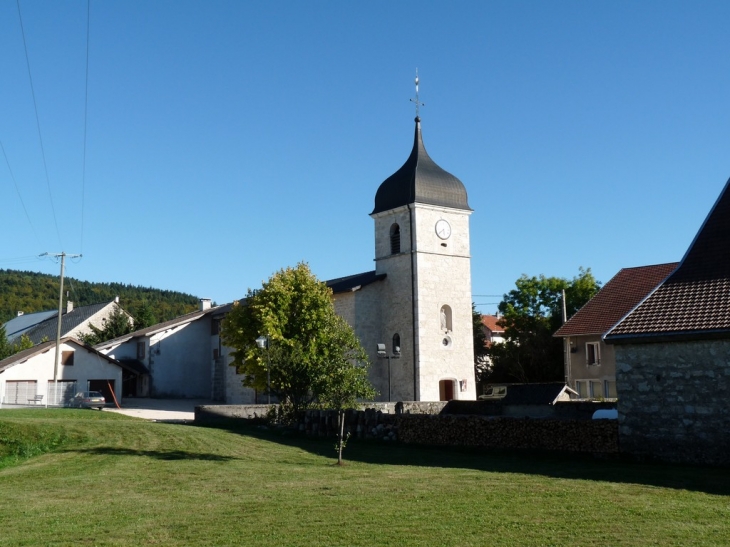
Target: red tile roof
[[617, 298], [490, 322], [695, 300]]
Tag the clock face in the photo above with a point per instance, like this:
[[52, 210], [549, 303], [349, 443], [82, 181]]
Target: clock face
[[443, 229]]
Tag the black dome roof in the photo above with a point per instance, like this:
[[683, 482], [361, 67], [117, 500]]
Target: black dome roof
[[420, 180]]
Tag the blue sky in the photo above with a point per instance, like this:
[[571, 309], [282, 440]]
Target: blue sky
[[229, 139]]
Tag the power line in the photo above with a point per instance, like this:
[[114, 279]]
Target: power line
[[17, 190], [38, 124], [19, 259]]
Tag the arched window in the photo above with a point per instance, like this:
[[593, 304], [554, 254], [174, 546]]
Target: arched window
[[445, 319], [394, 239], [396, 344]]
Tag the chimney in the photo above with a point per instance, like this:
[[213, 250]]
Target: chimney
[[116, 299], [20, 313], [204, 304], [69, 306]]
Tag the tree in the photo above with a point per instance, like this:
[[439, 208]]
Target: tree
[[531, 314], [480, 343], [117, 324], [344, 379], [314, 356], [6, 349], [143, 316]]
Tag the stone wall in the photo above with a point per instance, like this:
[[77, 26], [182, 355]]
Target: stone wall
[[673, 400], [414, 423]]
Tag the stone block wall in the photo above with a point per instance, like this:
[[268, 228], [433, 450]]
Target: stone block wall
[[416, 423], [673, 400]]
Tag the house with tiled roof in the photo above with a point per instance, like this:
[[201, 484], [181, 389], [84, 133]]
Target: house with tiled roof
[[673, 355], [590, 364], [493, 332], [75, 321]]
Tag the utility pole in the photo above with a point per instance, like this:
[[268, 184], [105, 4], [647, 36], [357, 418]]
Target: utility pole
[[58, 324]]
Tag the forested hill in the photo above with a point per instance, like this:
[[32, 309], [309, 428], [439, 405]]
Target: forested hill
[[32, 292]]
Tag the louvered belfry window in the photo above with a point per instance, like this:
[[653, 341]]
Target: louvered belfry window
[[394, 239]]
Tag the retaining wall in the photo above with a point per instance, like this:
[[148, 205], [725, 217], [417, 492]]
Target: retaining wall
[[417, 423]]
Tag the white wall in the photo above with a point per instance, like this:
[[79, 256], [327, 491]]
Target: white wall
[[87, 366]]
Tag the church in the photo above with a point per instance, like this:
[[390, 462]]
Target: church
[[413, 313]]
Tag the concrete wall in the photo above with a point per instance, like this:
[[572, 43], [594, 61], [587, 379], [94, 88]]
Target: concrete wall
[[180, 360], [673, 402]]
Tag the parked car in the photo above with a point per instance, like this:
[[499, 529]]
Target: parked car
[[88, 399]]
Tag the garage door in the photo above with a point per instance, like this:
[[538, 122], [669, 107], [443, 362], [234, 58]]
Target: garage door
[[61, 392], [19, 392]]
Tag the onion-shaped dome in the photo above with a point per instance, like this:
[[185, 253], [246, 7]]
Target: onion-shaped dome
[[420, 180]]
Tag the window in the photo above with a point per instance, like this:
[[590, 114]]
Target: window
[[582, 388], [215, 327], [596, 389], [396, 344], [593, 353], [394, 239], [140, 350], [609, 388], [67, 358]]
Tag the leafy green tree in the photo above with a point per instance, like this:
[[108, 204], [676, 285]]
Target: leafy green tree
[[480, 343], [6, 349], [315, 357], [23, 343], [143, 316], [117, 324], [343, 380], [531, 314]]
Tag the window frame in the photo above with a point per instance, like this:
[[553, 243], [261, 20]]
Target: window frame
[[596, 354]]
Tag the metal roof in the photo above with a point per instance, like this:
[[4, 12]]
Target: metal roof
[[353, 282], [23, 323], [420, 180]]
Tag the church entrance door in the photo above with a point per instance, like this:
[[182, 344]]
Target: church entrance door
[[446, 390]]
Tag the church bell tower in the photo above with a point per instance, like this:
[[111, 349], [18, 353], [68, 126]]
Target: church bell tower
[[421, 219]]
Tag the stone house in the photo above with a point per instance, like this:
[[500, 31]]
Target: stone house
[[590, 364], [673, 355]]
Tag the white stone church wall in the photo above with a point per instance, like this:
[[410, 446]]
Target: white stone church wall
[[444, 279]]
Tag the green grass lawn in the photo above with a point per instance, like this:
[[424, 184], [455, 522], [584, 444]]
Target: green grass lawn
[[112, 480]]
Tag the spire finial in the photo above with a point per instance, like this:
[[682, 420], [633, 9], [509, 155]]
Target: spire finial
[[418, 103]]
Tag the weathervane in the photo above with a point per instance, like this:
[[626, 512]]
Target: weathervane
[[418, 103]]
